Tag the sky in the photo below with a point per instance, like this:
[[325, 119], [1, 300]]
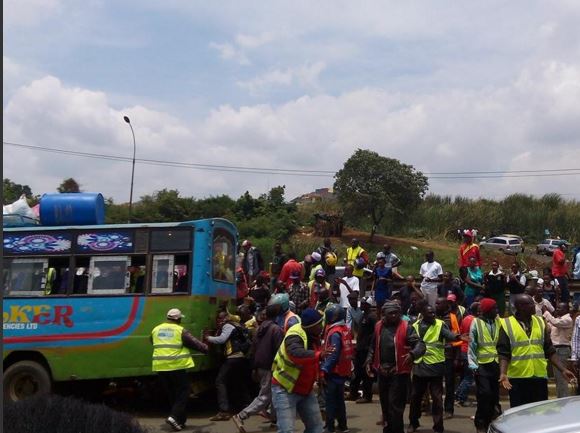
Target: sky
[[264, 87]]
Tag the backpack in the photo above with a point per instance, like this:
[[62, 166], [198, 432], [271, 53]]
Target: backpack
[[241, 339]]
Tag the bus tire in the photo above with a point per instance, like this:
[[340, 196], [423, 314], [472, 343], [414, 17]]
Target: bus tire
[[24, 379]]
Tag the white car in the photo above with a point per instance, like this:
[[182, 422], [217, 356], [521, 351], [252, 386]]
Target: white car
[[504, 244], [548, 246]]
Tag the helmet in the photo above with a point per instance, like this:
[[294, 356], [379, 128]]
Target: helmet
[[320, 273], [281, 299], [334, 313], [381, 255], [359, 263], [331, 259]]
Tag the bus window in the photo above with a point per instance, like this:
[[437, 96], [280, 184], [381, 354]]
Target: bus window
[[137, 274], [57, 276], [162, 273], [108, 275], [223, 257], [181, 274], [25, 277]]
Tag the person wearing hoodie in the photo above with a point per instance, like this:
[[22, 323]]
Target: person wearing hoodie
[[393, 347], [294, 372], [337, 367], [269, 336]]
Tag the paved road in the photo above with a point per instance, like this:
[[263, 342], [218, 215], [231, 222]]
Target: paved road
[[361, 418]]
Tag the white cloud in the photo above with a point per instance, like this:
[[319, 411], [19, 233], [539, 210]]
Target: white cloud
[[29, 12], [242, 43], [305, 76], [230, 52]]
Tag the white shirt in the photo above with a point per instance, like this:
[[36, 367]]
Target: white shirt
[[354, 286], [432, 271], [544, 303], [576, 271]]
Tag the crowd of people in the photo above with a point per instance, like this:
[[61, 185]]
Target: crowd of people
[[303, 340]]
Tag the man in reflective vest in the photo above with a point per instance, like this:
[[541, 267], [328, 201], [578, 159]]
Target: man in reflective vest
[[483, 361], [171, 359], [337, 367], [394, 346], [294, 371], [429, 369], [452, 353], [523, 348], [357, 257]]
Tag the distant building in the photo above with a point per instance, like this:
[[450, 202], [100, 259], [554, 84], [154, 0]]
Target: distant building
[[313, 197]]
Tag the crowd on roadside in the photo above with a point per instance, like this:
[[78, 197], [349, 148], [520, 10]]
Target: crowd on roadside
[[302, 340]]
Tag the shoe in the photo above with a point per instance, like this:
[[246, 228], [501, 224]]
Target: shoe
[[174, 424], [239, 422], [343, 430], [220, 416], [412, 428], [447, 415], [273, 426], [363, 400]]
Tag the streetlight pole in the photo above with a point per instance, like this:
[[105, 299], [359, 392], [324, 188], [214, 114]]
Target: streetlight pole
[[133, 168]]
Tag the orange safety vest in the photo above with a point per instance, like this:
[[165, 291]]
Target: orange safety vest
[[455, 328]]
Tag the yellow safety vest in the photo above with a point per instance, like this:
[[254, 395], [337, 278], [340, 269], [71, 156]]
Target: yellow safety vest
[[528, 358], [486, 343], [435, 349], [169, 353], [351, 255], [50, 277], [285, 371]]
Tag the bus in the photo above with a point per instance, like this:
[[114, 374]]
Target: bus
[[80, 302]]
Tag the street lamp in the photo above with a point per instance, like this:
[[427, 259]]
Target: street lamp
[[133, 168]]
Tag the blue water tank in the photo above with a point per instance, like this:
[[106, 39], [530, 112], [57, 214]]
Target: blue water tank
[[68, 209]]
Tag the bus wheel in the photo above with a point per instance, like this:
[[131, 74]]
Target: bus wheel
[[24, 379]]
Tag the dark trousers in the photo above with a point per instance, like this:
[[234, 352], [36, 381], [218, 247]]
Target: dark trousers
[[233, 377], [528, 390], [449, 385], [360, 376], [335, 406], [487, 394], [564, 290], [393, 395], [177, 386], [419, 387]]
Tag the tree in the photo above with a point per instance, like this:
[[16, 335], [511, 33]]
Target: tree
[[373, 185], [69, 185], [12, 191]]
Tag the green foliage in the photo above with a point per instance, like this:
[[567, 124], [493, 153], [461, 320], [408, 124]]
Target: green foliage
[[69, 185], [12, 191], [373, 186], [525, 215]]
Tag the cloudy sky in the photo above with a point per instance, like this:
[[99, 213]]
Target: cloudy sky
[[445, 86]]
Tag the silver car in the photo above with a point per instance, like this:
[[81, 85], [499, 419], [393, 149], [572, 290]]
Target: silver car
[[507, 245], [561, 415], [548, 246]]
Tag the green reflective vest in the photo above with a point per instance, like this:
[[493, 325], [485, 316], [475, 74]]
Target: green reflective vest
[[285, 371], [435, 349], [528, 358], [486, 343], [169, 353]]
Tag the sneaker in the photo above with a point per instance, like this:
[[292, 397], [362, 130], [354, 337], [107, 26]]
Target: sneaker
[[220, 416], [174, 424], [447, 415], [363, 400], [239, 422], [343, 430]]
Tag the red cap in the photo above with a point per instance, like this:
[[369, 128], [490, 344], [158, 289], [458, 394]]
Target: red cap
[[451, 297], [486, 305]]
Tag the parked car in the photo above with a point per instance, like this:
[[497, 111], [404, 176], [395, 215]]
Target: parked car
[[507, 245], [549, 416], [518, 237], [548, 246]]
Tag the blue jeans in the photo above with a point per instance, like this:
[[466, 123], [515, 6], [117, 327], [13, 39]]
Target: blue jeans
[[288, 404], [466, 382], [335, 406]]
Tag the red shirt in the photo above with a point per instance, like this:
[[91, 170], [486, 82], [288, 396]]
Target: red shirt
[[466, 251], [465, 325], [289, 267], [559, 268]]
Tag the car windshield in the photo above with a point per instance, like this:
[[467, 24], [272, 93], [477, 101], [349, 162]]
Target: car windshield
[[514, 242]]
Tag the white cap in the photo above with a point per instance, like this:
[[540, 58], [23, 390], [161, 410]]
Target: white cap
[[174, 314], [534, 274], [316, 256]]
